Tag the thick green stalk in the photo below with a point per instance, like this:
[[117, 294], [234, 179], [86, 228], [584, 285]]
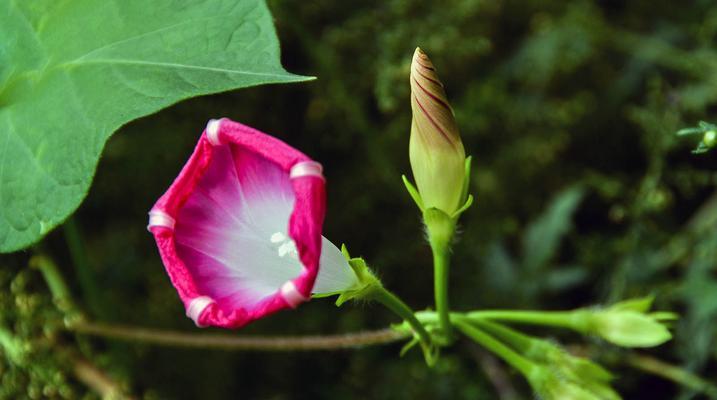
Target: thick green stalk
[[563, 319], [441, 266], [517, 340], [440, 227], [395, 304], [517, 361]]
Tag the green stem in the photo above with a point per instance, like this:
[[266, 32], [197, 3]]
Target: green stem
[[395, 304], [58, 288], [441, 265], [563, 319], [517, 361], [519, 341]]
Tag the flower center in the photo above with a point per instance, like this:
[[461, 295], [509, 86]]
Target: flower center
[[284, 245]]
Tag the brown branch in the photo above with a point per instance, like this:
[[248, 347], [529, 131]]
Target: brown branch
[[235, 342]]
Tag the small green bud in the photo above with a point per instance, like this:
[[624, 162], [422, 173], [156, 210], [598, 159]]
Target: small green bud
[[629, 328], [435, 148], [627, 323]]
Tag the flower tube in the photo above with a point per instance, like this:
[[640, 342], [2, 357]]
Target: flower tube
[[239, 230]]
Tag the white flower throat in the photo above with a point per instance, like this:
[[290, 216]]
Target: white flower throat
[[284, 245]]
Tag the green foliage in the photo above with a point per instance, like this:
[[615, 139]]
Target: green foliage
[[40, 363], [534, 270], [72, 72], [547, 95]]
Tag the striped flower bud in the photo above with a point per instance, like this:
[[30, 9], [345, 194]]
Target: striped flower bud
[[435, 149]]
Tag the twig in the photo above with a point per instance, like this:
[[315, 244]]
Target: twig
[[233, 342], [495, 372], [98, 381], [673, 373]]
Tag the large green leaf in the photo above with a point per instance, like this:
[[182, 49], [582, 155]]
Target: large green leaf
[[72, 72]]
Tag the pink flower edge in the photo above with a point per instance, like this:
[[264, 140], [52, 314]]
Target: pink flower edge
[[210, 220]]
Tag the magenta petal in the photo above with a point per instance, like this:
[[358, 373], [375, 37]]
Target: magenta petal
[[239, 230]]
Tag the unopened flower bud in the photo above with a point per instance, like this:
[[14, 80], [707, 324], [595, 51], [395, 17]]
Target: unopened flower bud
[[435, 149], [629, 329], [629, 324]]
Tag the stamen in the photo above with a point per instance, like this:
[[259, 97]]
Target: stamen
[[286, 245]]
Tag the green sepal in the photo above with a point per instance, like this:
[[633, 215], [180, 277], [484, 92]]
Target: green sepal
[[413, 192], [640, 304], [464, 207], [440, 227], [366, 280], [689, 131], [665, 316], [466, 179], [408, 346], [430, 353]]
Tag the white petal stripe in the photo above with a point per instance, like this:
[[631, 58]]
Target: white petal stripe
[[213, 131], [160, 218], [306, 168], [196, 307], [292, 295]]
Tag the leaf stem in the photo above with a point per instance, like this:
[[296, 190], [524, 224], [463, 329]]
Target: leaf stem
[[234, 342], [60, 292]]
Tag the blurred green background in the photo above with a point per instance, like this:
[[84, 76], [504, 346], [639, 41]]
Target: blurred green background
[[584, 196]]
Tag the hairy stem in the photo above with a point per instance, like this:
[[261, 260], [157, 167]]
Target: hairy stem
[[234, 342], [397, 305]]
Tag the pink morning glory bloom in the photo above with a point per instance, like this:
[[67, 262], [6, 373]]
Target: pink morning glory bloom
[[239, 230]]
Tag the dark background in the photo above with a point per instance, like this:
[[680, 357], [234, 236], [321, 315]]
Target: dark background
[[583, 196]]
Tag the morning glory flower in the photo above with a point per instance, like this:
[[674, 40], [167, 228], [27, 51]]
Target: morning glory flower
[[239, 230]]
